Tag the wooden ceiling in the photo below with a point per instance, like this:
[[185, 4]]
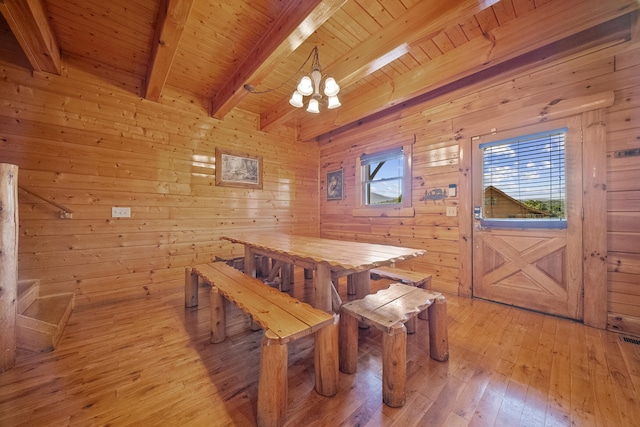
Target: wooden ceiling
[[382, 52]]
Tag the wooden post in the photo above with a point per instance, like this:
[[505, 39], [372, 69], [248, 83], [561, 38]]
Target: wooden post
[[249, 262], [218, 316], [326, 364], [272, 384], [348, 343], [323, 285], [190, 288], [394, 365], [438, 330], [286, 277], [8, 264]]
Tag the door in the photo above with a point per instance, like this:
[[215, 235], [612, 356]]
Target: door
[[527, 233]]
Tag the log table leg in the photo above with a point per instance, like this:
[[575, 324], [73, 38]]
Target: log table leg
[[325, 361], [438, 330], [286, 277], [190, 288], [272, 385], [322, 284], [249, 262], [218, 316], [394, 366]]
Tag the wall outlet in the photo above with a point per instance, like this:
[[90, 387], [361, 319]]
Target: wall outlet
[[117, 212], [452, 210]]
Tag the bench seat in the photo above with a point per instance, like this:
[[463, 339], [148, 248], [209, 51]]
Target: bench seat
[[284, 320], [413, 278]]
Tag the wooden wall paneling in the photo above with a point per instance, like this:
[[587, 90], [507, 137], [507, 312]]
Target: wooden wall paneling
[[92, 146]]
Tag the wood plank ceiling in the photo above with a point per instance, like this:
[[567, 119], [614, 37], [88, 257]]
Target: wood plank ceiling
[[381, 52]]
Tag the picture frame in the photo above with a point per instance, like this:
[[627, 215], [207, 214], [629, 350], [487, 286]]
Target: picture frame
[[238, 170], [335, 185]]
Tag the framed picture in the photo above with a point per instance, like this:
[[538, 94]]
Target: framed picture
[[238, 170], [334, 185]]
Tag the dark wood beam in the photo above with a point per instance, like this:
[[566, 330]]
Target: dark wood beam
[[172, 18], [517, 37], [422, 21], [29, 24], [297, 22]]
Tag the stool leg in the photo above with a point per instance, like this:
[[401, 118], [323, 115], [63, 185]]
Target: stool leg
[[272, 384], [438, 330], [348, 343], [394, 366], [218, 316], [326, 360]]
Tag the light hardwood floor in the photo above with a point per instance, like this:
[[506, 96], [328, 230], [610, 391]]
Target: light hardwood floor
[[148, 361]]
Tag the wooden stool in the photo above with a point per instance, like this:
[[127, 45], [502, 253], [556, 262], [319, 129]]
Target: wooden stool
[[388, 310]]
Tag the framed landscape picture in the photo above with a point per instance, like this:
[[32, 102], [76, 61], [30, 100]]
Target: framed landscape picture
[[238, 170], [334, 185]]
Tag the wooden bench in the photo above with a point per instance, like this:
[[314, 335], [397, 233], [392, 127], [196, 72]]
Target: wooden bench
[[413, 278], [388, 310], [284, 320]]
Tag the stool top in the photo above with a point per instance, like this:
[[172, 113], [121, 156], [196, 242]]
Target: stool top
[[390, 307]]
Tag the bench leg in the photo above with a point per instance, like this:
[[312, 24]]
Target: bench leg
[[272, 385], [348, 343], [394, 366], [438, 330], [190, 288], [218, 316], [411, 325], [325, 360]]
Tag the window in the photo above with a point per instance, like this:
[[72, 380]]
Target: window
[[385, 183], [524, 180]]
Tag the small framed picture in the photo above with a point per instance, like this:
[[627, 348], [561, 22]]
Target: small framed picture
[[334, 185], [238, 170]]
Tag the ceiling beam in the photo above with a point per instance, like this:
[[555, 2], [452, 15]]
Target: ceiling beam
[[172, 18], [422, 21], [294, 25], [517, 37], [29, 24]]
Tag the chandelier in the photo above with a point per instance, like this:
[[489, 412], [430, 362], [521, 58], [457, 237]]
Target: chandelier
[[310, 86]]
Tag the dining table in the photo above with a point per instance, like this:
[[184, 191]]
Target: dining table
[[328, 259]]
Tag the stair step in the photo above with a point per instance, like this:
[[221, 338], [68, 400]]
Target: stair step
[[40, 326], [28, 291]]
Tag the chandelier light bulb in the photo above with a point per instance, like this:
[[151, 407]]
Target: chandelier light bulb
[[334, 102], [331, 88], [305, 87], [313, 106], [296, 99]]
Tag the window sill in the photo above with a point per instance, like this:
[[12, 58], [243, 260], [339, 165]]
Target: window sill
[[384, 211]]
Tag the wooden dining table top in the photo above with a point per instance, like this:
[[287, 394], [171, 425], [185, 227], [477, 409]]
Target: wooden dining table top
[[339, 254]]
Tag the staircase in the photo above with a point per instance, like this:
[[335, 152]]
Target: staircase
[[40, 320]]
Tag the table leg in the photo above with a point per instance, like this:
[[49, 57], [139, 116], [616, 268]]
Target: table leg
[[394, 366], [272, 384], [322, 286], [326, 359], [362, 283], [249, 262]]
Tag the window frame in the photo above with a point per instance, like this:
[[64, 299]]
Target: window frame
[[403, 209]]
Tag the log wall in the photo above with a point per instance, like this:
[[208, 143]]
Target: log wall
[[439, 127], [89, 145]]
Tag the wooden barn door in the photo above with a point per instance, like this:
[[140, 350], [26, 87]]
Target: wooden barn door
[[523, 256]]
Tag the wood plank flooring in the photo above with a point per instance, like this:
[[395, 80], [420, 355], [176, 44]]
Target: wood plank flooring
[[148, 361]]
